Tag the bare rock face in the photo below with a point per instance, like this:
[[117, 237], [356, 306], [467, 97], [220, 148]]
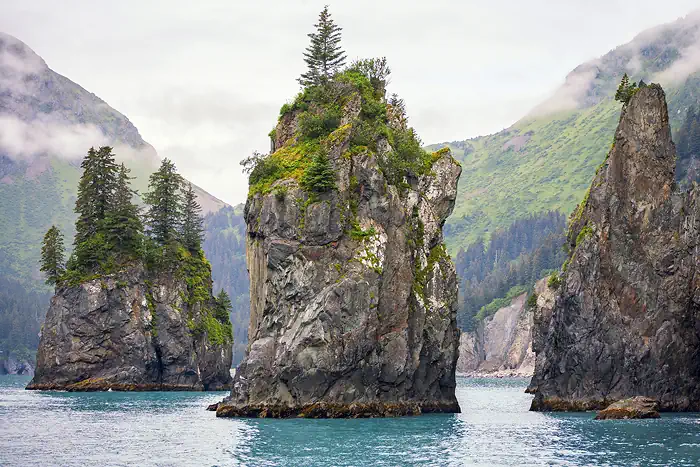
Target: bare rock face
[[130, 332], [13, 366], [625, 320], [634, 407], [501, 345], [353, 297]]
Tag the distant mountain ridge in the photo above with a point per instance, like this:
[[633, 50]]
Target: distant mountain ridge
[[545, 161]]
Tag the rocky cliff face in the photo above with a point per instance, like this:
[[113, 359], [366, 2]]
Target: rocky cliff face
[[353, 297], [12, 366], [501, 345], [132, 331], [625, 320]]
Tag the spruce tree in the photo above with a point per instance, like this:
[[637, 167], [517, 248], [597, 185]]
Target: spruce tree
[[625, 90], [223, 306], [192, 230], [95, 192], [323, 56], [622, 88], [319, 177], [123, 224], [52, 256], [164, 200]]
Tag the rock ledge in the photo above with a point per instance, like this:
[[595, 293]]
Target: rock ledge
[[635, 407]]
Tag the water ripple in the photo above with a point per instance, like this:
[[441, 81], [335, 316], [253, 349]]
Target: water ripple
[[172, 429]]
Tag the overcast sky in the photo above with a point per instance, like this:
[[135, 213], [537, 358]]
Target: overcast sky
[[204, 81]]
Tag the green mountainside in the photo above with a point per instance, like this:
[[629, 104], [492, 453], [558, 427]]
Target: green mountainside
[[224, 246], [546, 160]]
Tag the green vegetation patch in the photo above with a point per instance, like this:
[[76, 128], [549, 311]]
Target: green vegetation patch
[[498, 303], [288, 162], [421, 275]]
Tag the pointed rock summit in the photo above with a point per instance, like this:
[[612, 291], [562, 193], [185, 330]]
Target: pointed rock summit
[[625, 320]]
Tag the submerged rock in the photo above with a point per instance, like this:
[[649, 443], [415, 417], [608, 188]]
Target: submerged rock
[[635, 407], [132, 331], [353, 296], [625, 319]]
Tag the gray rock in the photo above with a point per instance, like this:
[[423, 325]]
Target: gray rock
[[501, 345], [13, 366], [634, 407], [343, 325], [131, 332], [626, 319]]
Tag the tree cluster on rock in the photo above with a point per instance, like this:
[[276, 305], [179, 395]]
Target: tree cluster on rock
[[111, 230], [329, 88], [112, 233]]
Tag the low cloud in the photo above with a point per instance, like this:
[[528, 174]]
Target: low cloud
[[44, 135], [17, 63], [572, 93], [686, 65]]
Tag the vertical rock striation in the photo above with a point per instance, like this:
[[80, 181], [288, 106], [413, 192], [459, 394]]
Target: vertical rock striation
[[353, 296], [132, 331], [625, 319]]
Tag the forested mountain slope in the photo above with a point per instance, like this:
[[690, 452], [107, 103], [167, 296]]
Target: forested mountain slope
[[546, 160]]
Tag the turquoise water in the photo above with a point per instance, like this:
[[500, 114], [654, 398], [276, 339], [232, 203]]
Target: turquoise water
[[164, 429]]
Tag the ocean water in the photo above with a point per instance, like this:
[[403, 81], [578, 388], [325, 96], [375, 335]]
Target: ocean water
[[173, 429]]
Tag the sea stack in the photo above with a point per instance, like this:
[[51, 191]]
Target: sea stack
[[625, 319], [133, 331], [353, 295]]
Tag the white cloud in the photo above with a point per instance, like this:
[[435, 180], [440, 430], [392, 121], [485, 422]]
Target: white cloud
[[44, 135], [571, 94], [687, 64]]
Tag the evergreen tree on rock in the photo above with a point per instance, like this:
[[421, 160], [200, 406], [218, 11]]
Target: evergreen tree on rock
[[323, 56], [192, 230], [626, 90], [123, 224], [223, 306], [96, 188], [164, 200], [52, 252], [319, 177]]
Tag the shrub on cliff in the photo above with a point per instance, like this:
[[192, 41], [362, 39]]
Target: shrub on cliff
[[319, 177]]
